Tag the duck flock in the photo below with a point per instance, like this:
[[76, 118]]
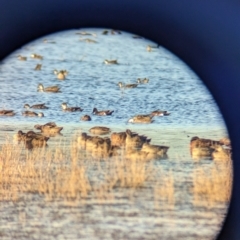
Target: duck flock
[[135, 145]]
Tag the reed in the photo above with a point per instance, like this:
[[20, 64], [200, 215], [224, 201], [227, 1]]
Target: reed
[[69, 173], [213, 185]]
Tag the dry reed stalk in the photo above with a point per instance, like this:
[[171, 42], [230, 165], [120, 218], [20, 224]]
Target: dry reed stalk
[[164, 190], [212, 186]]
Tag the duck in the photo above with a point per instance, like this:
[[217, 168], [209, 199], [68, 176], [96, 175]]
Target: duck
[[36, 56], [141, 119], [197, 142], [70, 109], [134, 140], [99, 130], [36, 106], [118, 138], [86, 118], [22, 58], [38, 67], [54, 89], [155, 149], [122, 85], [88, 40], [150, 48], [49, 128], [159, 113], [7, 113], [86, 34], [32, 114], [202, 147], [202, 153], [142, 80], [31, 139], [102, 112], [110, 61], [221, 153]]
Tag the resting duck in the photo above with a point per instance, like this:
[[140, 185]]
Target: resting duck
[[141, 119], [36, 56], [70, 109], [32, 114], [134, 140], [110, 61], [7, 113], [100, 130], [36, 106], [118, 138], [122, 85], [86, 118], [49, 128], [31, 139], [102, 112], [156, 149], [54, 89], [142, 80]]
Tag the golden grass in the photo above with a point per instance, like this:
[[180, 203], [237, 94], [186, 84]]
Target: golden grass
[[68, 173], [212, 185]]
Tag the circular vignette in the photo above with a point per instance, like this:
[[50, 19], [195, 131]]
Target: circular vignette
[[204, 35]]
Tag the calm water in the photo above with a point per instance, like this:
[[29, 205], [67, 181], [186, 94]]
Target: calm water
[[90, 83]]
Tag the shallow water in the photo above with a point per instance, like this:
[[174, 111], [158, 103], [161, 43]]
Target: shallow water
[[172, 86]]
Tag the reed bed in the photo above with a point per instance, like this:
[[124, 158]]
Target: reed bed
[[213, 185], [68, 173]]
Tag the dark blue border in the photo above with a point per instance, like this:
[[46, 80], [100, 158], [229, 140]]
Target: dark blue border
[[204, 34]]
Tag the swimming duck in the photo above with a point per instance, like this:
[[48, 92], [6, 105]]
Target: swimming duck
[[110, 61], [86, 34], [54, 89], [49, 128], [141, 119], [38, 67], [142, 80], [122, 85], [70, 109], [7, 113], [88, 40], [36, 106], [160, 113], [86, 118], [102, 112], [36, 56], [22, 58], [32, 114], [150, 48], [100, 130]]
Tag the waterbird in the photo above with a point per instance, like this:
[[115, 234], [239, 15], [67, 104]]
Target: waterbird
[[54, 89], [102, 112], [86, 118], [70, 109], [122, 85], [36, 106], [99, 130], [7, 113], [110, 61], [32, 114], [141, 119]]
